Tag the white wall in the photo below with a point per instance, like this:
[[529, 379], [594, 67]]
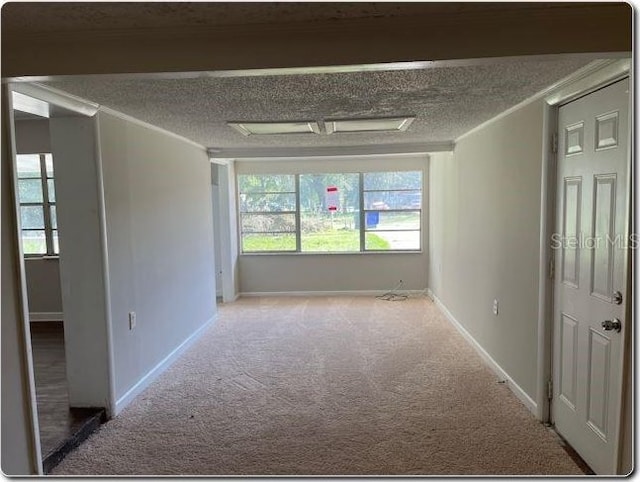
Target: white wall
[[159, 220], [442, 196], [82, 262], [43, 275], [215, 206], [485, 235], [300, 272], [32, 136], [43, 286], [339, 272], [229, 235]]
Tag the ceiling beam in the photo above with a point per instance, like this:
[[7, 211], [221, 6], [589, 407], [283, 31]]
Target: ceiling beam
[[329, 69], [297, 152], [540, 29]]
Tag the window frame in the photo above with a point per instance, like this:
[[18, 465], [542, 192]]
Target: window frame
[[46, 205], [295, 213], [364, 229], [300, 234], [362, 212]]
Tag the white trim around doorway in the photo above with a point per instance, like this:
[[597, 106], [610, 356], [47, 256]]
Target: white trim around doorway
[[607, 73]]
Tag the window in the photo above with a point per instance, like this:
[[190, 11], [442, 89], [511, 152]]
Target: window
[[268, 214], [37, 197], [331, 213], [393, 209]]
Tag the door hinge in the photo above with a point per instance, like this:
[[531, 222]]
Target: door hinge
[[552, 267], [554, 143], [550, 389]]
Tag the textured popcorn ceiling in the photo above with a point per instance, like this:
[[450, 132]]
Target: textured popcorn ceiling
[[27, 17], [447, 101]]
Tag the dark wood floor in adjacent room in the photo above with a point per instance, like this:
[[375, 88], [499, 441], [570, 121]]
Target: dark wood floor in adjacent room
[[61, 428]]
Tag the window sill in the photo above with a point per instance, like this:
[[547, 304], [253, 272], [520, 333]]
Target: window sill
[[42, 257], [320, 253]]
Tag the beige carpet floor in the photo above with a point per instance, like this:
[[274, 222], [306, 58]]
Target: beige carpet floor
[[325, 386]]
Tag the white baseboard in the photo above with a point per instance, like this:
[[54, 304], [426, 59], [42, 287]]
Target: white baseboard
[[331, 293], [152, 374], [46, 316], [233, 298], [502, 374]]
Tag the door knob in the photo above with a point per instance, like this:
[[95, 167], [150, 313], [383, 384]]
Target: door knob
[[615, 324]]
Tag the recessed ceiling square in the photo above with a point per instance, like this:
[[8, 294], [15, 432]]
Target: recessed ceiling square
[[389, 124], [269, 128]]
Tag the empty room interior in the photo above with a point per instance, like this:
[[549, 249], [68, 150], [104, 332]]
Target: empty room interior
[[319, 238]]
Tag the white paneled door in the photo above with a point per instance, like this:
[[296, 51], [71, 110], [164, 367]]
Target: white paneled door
[[590, 284]]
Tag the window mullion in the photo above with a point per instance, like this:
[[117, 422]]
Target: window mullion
[[362, 213], [298, 226], [45, 205]]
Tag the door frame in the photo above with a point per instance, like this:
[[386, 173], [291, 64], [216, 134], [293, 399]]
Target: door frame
[[30, 396], [601, 73], [81, 108]]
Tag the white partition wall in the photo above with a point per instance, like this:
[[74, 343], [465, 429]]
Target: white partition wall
[[215, 205], [485, 235], [159, 224], [78, 193], [228, 235]]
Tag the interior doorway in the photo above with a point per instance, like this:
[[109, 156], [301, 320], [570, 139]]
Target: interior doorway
[[591, 244], [60, 427]]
